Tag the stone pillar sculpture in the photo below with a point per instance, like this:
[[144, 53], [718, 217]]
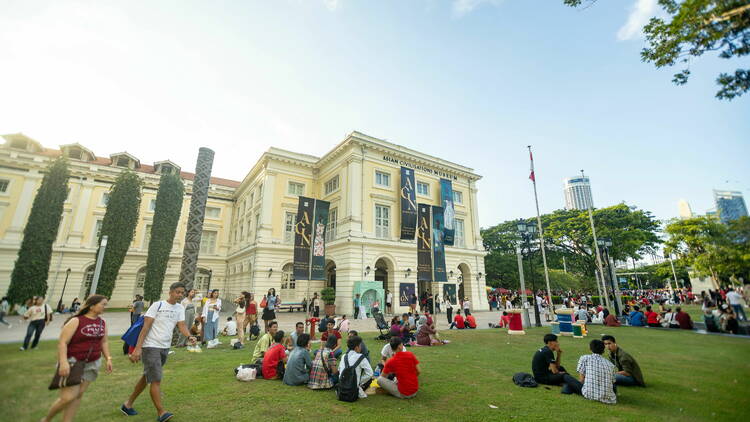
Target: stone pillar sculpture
[[197, 213]]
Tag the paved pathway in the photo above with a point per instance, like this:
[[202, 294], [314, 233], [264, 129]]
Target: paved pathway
[[118, 323]]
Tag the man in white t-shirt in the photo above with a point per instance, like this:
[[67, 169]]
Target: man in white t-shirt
[[735, 299], [388, 301], [230, 329], [153, 347]]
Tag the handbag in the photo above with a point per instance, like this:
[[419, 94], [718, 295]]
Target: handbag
[[75, 377], [264, 302]]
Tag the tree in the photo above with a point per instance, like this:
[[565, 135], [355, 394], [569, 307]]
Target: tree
[[119, 226], [696, 27], [166, 216], [29, 277]]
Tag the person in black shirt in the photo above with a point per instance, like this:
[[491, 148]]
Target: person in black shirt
[[547, 368]]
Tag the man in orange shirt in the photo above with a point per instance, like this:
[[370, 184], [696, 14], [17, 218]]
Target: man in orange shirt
[[471, 322], [458, 321]]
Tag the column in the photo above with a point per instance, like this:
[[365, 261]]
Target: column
[[353, 218], [265, 231], [14, 233], [80, 211]]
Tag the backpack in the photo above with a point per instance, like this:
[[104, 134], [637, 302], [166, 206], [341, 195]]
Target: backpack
[[255, 330], [523, 379], [348, 386], [131, 335]]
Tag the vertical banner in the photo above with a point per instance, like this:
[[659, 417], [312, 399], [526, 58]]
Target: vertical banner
[[303, 238], [424, 244], [318, 264], [408, 204], [446, 195], [450, 293], [438, 245], [405, 290]]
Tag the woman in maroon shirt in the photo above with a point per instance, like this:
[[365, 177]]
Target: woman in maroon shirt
[[84, 337]]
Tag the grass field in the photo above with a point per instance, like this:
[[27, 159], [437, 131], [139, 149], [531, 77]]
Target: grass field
[[690, 377]]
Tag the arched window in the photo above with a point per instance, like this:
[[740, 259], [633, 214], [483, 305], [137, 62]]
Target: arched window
[[88, 278], [202, 278], [140, 281]]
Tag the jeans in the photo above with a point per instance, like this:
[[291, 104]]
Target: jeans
[[625, 380], [740, 312], [449, 314], [2, 318], [36, 327], [212, 327], [453, 325], [570, 384]]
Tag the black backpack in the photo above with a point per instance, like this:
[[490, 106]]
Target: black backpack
[[348, 386], [522, 379], [254, 330]]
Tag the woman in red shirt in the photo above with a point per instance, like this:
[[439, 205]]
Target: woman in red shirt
[[84, 337], [652, 318], [251, 315]]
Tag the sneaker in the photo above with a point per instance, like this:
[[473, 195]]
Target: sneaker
[[362, 394], [129, 411], [22, 348], [165, 417]]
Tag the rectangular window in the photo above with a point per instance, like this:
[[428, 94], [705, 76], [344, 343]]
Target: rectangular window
[[147, 236], [4, 183], [257, 225], [252, 199], [208, 243], [123, 162], [459, 240], [382, 221], [423, 188], [458, 197], [296, 188], [105, 199], [213, 212], [332, 185], [97, 232], [152, 205], [289, 227], [332, 223], [382, 179], [242, 231]]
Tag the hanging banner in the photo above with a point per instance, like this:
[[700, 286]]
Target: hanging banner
[[405, 291], [408, 204], [438, 245], [450, 293], [446, 195], [303, 238], [424, 244], [318, 264]]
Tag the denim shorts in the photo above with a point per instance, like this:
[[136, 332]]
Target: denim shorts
[[90, 371]]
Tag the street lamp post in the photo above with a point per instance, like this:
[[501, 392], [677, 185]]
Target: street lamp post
[[208, 288], [524, 302], [527, 233], [59, 304], [605, 244]]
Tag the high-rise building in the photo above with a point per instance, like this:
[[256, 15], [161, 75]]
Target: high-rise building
[[730, 205], [685, 210], [578, 193]]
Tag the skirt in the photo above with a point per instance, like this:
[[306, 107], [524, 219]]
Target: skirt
[[268, 314]]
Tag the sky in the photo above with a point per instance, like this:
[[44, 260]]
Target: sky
[[471, 81]]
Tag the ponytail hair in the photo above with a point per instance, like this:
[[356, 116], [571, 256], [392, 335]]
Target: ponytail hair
[[92, 300]]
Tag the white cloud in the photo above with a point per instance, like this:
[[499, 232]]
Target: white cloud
[[331, 5], [640, 13], [463, 7]]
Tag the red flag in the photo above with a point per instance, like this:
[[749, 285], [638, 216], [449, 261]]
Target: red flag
[[531, 176]]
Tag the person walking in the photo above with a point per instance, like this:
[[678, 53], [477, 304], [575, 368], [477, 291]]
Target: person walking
[[357, 302], [448, 309], [83, 338], [153, 348], [189, 304], [38, 314], [4, 308], [211, 317], [251, 315], [315, 309]]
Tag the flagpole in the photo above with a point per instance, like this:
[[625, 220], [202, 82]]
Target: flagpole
[[541, 236], [598, 254]]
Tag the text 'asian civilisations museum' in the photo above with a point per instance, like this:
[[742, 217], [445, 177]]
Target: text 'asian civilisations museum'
[[249, 227]]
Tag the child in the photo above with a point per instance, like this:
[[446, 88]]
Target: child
[[230, 329]]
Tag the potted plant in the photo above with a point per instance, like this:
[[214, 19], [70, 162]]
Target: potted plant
[[329, 300]]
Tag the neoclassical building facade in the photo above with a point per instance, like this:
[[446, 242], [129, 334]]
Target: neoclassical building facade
[[247, 241]]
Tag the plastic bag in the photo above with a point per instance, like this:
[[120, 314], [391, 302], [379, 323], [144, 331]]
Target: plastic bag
[[246, 374], [194, 348]]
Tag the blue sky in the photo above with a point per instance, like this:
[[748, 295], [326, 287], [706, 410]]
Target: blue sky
[[472, 81]]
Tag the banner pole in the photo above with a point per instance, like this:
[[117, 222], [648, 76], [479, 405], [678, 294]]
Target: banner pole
[[541, 237]]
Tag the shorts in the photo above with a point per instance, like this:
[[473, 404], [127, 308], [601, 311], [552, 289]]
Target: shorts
[[90, 371], [153, 360]]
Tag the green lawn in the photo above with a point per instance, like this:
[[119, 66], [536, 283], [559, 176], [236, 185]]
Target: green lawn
[[690, 377]]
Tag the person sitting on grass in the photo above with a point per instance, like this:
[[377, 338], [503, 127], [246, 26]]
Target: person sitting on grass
[[324, 373], [365, 351], [458, 321], [471, 322], [230, 329], [274, 358], [330, 332], [299, 363], [503, 323], [547, 369], [628, 371], [427, 336], [652, 318], [389, 350], [597, 375], [636, 318], [395, 330], [291, 341], [405, 366], [582, 314], [364, 369], [611, 319], [265, 342]]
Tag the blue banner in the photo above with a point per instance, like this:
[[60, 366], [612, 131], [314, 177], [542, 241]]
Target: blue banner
[[438, 245], [408, 204], [446, 195], [424, 244]]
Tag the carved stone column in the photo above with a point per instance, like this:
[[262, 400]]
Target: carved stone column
[[197, 213]]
